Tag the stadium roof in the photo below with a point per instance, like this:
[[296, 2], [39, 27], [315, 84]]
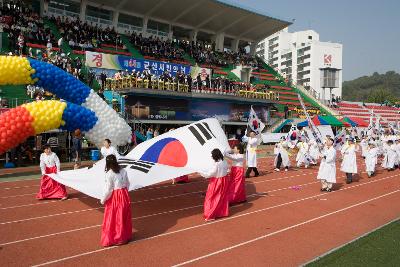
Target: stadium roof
[[209, 16]]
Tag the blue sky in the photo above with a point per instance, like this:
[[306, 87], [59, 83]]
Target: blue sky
[[369, 30]]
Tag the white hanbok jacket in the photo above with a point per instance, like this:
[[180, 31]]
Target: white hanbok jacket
[[280, 149], [113, 182], [327, 169], [349, 163], [219, 170], [371, 159], [49, 161], [109, 151], [237, 159], [251, 150]]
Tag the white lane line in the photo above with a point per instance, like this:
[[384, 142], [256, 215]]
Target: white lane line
[[41, 203], [262, 194], [214, 222], [285, 229], [51, 215], [30, 194]]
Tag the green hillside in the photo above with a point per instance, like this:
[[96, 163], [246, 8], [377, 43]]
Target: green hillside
[[376, 88]]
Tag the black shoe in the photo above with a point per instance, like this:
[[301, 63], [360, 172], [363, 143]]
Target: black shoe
[[323, 189], [349, 181]]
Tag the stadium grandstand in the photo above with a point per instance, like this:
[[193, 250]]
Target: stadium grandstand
[[161, 62], [363, 111]]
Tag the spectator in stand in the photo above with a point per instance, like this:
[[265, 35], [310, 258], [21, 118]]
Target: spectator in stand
[[21, 44], [149, 134], [118, 75], [103, 79]]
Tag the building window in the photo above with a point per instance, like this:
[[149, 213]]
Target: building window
[[309, 37], [130, 20], [64, 7], [99, 13]]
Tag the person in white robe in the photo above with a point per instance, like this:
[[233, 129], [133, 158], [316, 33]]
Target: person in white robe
[[390, 158], [349, 163], [303, 156], [371, 159], [252, 141], [314, 152], [364, 146], [281, 155], [397, 146], [327, 168]]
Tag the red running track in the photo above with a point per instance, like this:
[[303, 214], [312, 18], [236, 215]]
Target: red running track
[[287, 221]]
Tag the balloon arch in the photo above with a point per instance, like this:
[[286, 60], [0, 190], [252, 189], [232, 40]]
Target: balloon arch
[[81, 107]]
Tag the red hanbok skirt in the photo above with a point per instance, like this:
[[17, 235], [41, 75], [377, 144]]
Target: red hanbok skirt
[[182, 179], [216, 203], [117, 223], [50, 188], [237, 186]]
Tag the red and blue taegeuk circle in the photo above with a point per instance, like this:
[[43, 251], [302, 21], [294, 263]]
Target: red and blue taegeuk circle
[[168, 151]]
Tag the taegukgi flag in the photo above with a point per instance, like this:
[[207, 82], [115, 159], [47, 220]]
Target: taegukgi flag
[[179, 152]]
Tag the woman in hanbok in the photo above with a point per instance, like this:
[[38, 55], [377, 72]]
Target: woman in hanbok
[[327, 168], [117, 223], [349, 163], [281, 155], [371, 159], [49, 188], [237, 192], [216, 203], [108, 149]]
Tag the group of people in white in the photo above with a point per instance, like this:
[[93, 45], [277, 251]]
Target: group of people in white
[[227, 183], [372, 148]]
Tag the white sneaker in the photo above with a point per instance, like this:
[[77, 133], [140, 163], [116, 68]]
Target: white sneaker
[[286, 170], [277, 170]]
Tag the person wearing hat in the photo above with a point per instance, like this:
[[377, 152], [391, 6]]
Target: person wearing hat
[[349, 163], [327, 169], [390, 158], [371, 158], [281, 155]]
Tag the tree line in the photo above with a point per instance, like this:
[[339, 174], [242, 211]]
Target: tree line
[[377, 88]]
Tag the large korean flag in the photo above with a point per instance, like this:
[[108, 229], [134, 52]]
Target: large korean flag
[[182, 151]]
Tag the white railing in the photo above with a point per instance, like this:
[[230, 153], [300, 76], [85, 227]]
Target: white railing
[[320, 102]]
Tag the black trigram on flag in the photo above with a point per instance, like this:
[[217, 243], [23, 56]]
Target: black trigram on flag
[[202, 132], [139, 165]]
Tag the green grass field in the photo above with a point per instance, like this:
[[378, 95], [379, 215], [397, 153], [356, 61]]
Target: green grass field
[[380, 248]]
